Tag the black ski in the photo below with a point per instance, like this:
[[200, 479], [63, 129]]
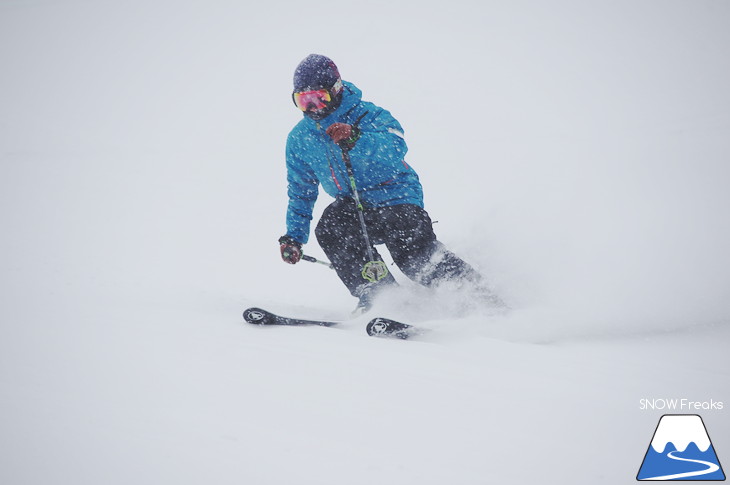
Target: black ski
[[257, 316], [377, 327], [384, 327]]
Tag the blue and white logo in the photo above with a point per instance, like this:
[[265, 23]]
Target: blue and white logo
[[681, 450]]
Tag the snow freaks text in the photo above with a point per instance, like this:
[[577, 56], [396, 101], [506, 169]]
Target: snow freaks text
[[679, 404]]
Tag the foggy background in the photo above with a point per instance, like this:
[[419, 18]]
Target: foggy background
[[575, 152]]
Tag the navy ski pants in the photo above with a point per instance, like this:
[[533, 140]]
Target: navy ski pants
[[407, 232]]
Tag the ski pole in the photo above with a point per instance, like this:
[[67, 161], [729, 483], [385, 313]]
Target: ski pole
[[318, 261], [374, 270]]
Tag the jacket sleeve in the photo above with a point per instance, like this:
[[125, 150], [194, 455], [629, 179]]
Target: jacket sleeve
[[303, 188]]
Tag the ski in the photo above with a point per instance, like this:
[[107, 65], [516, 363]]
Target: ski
[[377, 327], [384, 327], [257, 316]]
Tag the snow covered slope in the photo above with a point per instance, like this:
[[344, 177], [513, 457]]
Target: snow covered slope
[[580, 162]]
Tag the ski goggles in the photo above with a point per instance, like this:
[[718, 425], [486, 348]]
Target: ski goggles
[[312, 100]]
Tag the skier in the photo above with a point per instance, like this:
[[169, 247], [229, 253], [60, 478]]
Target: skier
[[356, 151]]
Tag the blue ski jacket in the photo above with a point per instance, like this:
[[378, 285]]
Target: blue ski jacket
[[382, 176]]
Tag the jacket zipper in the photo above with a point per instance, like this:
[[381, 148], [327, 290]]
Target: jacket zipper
[[330, 156]]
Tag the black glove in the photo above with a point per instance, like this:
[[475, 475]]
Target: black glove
[[291, 250]]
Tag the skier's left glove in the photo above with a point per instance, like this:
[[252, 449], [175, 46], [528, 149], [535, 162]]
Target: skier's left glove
[[291, 250], [344, 135]]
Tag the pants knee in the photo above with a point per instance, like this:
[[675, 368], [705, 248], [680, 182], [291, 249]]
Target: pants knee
[[336, 225]]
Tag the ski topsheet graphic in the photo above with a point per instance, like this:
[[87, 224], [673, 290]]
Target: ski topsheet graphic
[[680, 450]]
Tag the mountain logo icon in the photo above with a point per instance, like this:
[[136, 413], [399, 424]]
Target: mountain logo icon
[[681, 450]]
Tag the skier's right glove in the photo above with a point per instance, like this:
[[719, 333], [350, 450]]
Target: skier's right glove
[[291, 250]]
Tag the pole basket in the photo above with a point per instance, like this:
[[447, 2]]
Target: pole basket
[[374, 271]]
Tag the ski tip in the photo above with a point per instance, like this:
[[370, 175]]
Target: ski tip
[[256, 316], [384, 327]]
